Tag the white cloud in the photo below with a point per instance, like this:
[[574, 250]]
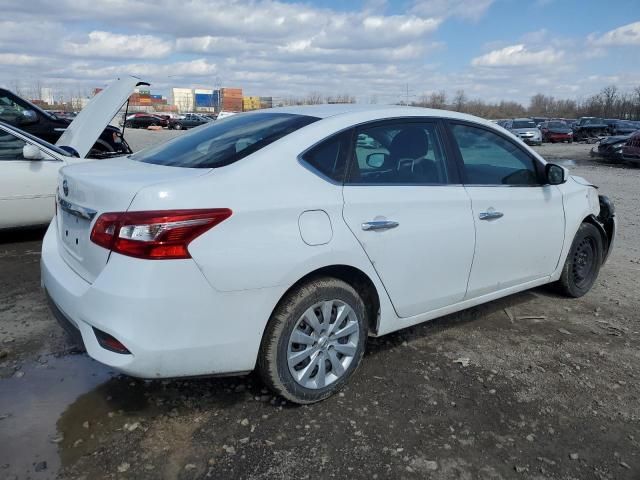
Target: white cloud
[[621, 36], [115, 45], [17, 59], [469, 9], [518, 56]]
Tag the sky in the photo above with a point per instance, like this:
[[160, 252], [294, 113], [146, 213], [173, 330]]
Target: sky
[[378, 51]]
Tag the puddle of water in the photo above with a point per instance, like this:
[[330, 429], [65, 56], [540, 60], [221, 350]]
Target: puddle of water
[[35, 403]]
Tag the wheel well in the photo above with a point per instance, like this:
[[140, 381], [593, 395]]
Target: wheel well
[[359, 280], [603, 233]]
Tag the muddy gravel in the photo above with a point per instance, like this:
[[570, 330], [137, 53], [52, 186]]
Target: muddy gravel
[[532, 386]]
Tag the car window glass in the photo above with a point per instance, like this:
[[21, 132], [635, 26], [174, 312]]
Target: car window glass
[[398, 153], [10, 111], [10, 146], [328, 157], [223, 142], [489, 159]]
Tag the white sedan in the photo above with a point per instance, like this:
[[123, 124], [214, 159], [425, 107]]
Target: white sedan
[[29, 166], [281, 239]]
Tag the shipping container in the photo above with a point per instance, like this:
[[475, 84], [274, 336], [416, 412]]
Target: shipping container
[[205, 99]]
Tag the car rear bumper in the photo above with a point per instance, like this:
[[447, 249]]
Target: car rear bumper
[[164, 312]]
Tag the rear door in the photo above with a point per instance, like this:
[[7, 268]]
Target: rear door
[[519, 219], [404, 204]]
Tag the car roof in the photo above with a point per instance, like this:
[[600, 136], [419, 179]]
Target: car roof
[[371, 112]]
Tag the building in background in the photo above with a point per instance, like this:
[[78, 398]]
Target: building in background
[[266, 102], [231, 100], [46, 95], [250, 103], [206, 100], [183, 99]]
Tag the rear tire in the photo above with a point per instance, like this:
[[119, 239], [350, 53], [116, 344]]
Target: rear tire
[[314, 341], [583, 262]]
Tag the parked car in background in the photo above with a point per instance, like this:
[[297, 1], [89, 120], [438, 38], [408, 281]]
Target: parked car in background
[[589, 128], [223, 114], [47, 126], [526, 129], [631, 149], [556, 131], [188, 120], [63, 114], [144, 120], [29, 166], [622, 127], [610, 148], [539, 120], [279, 240]]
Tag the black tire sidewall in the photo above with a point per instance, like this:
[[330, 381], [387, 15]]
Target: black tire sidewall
[[321, 290], [585, 230]]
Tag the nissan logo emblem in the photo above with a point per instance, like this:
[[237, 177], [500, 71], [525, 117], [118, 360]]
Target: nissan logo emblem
[[65, 188]]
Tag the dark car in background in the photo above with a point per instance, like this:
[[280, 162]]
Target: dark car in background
[[47, 126], [556, 131], [588, 128], [189, 120], [631, 149], [610, 148], [145, 120], [622, 127]]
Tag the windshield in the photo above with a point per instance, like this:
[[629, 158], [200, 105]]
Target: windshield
[[223, 142], [523, 124], [592, 121], [557, 125]]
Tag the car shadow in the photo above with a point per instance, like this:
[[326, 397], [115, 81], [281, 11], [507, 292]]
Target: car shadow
[[18, 235]]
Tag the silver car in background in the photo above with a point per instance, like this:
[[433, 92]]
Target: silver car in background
[[526, 129]]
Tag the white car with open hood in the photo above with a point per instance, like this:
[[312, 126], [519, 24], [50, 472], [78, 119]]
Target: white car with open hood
[[29, 166], [280, 239]]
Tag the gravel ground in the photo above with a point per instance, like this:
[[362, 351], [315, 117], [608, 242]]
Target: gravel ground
[[550, 390]]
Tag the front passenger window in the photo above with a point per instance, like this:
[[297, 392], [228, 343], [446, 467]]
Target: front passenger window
[[490, 159]]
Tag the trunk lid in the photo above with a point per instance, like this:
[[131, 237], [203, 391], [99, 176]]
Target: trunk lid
[[87, 190], [87, 127]]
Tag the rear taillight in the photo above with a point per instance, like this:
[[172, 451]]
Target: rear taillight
[[155, 235]]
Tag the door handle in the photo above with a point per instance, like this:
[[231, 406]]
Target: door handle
[[490, 215], [379, 225]]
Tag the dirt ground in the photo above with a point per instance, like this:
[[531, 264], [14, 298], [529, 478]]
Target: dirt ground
[[551, 389]]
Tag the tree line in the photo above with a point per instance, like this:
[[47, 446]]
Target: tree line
[[610, 102]]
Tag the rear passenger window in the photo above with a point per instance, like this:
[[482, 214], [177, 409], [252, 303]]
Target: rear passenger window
[[328, 157], [490, 159], [401, 153]]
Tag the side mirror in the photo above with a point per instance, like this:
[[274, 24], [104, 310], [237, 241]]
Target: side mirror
[[28, 117], [31, 152], [376, 160], [556, 175]]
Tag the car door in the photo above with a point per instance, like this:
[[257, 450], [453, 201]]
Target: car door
[[519, 219], [27, 187], [404, 204]]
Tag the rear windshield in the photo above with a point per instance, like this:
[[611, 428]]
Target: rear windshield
[[223, 142], [523, 124]]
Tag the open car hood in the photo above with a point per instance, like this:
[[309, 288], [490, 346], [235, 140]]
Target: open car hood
[[87, 126]]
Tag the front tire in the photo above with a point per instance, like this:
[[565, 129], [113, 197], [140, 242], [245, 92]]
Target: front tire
[[314, 341], [583, 262]]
